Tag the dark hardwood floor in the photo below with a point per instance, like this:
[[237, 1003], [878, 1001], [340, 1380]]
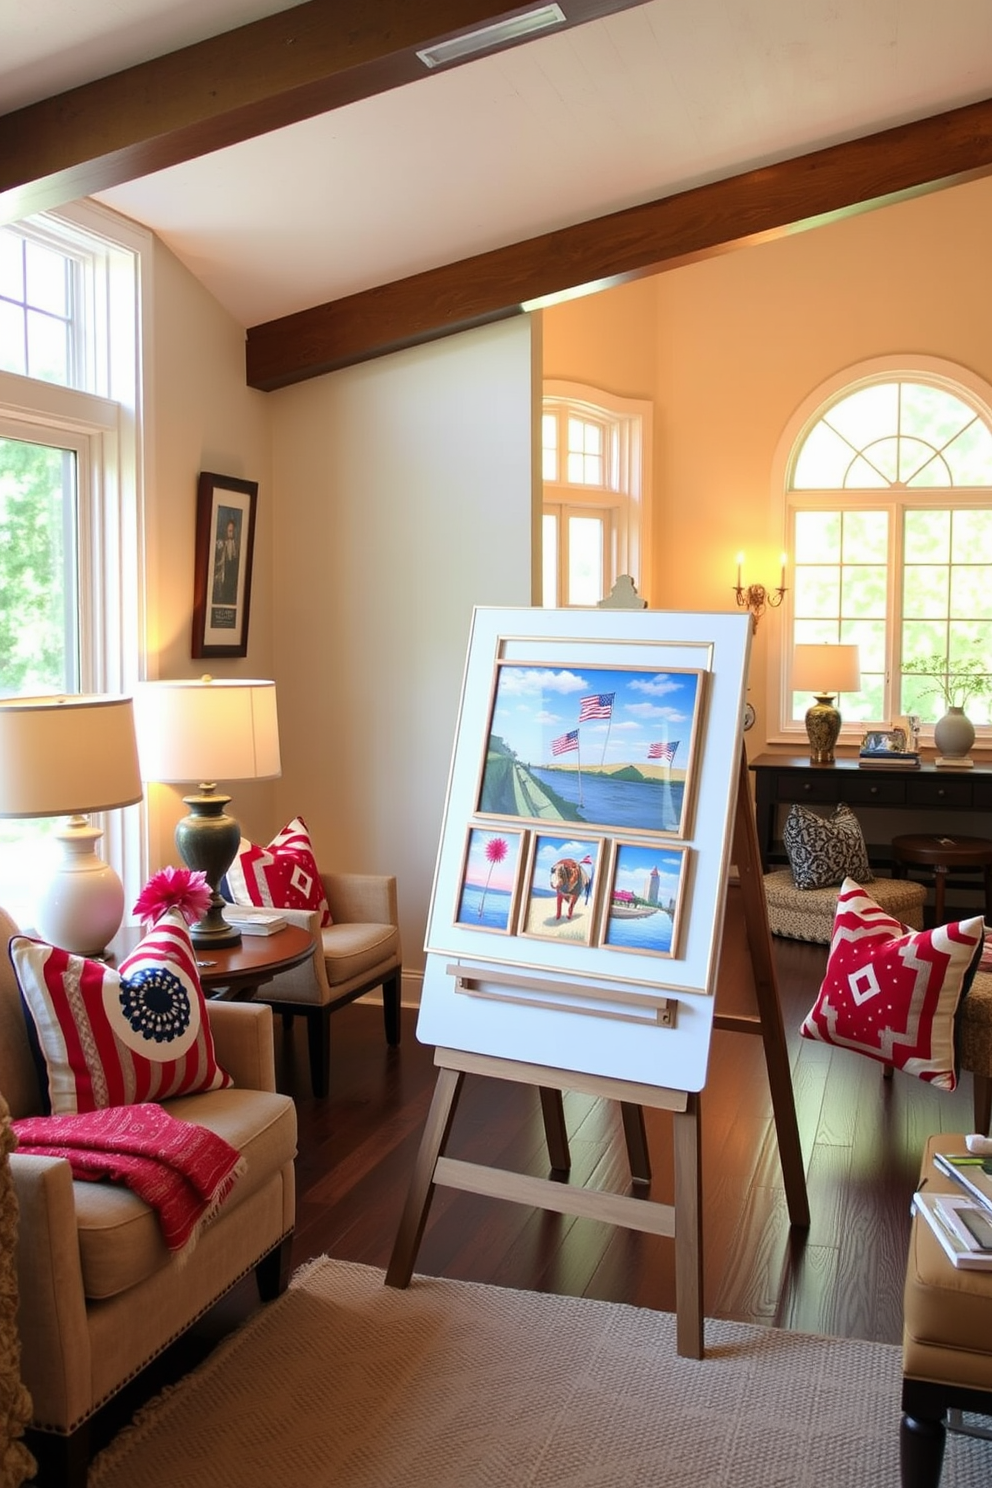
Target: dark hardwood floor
[[862, 1137]]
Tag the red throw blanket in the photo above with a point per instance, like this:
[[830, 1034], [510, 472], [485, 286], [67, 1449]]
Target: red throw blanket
[[183, 1171]]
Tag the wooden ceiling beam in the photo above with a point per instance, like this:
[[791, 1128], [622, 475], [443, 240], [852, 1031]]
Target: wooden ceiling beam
[[296, 64], [803, 192]]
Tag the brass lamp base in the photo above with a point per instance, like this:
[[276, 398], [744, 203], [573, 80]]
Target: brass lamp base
[[823, 729], [208, 841]]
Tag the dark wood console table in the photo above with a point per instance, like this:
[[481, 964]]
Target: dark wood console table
[[782, 779]]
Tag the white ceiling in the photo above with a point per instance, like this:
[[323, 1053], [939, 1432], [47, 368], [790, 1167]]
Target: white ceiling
[[564, 128]]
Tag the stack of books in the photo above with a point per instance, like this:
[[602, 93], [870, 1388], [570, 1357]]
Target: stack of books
[[962, 1222], [253, 921], [889, 759]]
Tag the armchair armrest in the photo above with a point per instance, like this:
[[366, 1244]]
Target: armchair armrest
[[361, 898], [55, 1344], [242, 1033]]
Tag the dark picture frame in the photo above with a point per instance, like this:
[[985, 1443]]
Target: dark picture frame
[[225, 544]]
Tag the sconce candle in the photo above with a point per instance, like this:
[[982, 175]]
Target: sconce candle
[[755, 596]]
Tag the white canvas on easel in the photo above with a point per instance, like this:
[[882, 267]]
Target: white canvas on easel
[[590, 1005]]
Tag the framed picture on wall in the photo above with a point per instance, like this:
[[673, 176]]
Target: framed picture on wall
[[225, 542]]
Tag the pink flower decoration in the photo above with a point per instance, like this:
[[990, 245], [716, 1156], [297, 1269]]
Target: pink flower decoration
[[184, 889], [496, 849]]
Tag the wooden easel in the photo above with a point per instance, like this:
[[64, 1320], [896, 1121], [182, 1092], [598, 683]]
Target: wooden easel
[[682, 1219]]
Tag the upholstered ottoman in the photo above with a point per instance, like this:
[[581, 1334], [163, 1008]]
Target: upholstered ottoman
[[947, 1338], [974, 1035], [808, 914]]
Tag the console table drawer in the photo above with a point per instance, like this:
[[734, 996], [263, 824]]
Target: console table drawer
[[939, 791], [981, 794], [812, 787], [870, 791]]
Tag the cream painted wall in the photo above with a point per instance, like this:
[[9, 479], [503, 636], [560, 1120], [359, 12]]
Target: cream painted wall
[[201, 417], [745, 338], [404, 497], [741, 340]]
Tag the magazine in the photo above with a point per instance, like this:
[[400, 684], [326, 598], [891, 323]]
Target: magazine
[[972, 1172], [963, 1228]]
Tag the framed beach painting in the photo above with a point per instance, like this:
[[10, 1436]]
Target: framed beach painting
[[609, 748], [644, 898], [560, 895], [490, 879]]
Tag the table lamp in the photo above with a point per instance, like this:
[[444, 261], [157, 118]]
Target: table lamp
[[206, 730], [825, 670], [70, 755]]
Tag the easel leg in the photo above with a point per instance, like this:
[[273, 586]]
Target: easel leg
[[769, 1007], [636, 1138], [688, 1233], [556, 1136], [418, 1200]]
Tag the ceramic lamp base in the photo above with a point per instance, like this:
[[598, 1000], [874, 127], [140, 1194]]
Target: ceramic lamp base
[[208, 840], [823, 729], [83, 905]]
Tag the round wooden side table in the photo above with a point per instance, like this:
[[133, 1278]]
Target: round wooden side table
[[942, 856]]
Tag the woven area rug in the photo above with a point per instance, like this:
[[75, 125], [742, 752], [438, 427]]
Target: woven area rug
[[449, 1384]]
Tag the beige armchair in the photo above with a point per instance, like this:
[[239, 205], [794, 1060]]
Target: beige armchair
[[100, 1294], [357, 953]]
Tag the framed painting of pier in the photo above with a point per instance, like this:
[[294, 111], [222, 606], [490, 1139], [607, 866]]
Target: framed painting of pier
[[645, 893], [606, 747]]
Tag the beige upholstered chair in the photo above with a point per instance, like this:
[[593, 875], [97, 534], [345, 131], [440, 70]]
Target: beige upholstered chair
[[357, 953], [100, 1294]]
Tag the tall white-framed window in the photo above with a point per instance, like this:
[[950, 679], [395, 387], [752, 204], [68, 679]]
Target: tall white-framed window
[[71, 529], [887, 481], [596, 467]]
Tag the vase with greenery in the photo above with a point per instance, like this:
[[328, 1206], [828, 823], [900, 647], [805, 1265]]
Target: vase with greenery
[[956, 683]]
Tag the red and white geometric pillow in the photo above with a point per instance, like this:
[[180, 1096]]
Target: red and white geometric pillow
[[892, 993], [281, 876], [116, 1037]]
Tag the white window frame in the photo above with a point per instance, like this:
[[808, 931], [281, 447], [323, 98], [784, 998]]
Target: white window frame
[[956, 379], [622, 499], [107, 428]]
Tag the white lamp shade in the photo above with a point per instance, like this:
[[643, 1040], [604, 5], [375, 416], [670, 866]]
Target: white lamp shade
[[826, 669], [207, 729], [67, 755]]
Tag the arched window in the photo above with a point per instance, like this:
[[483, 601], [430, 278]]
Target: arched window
[[595, 462], [888, 494]]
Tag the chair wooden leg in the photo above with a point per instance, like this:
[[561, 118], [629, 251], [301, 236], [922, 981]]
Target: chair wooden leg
[[319, 1045], [982, 1094], [63, 1461], [391, 988], [273, 1270], [921, 1451]]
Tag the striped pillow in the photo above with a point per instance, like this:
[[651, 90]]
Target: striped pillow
[[107, 1037]]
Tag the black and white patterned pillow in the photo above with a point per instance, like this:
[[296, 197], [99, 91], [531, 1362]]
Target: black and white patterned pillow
[[823, 851]]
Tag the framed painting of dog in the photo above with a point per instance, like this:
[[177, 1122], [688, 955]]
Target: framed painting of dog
[[561, 893]]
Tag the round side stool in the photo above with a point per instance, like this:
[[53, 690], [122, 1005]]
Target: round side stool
[[941, 856]]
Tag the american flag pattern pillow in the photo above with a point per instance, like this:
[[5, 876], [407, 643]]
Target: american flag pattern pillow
[[118, 1036], [892, 993], [281, 876]]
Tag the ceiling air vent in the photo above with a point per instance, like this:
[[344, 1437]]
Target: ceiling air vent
[[532, 21]]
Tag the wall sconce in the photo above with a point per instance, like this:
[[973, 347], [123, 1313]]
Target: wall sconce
[[755, 596]]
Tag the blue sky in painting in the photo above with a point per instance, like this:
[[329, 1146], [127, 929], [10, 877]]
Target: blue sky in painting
[[536, 704]]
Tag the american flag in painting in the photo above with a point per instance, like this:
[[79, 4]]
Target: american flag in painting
[[565, 742], [596, 705], [664, 752]]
